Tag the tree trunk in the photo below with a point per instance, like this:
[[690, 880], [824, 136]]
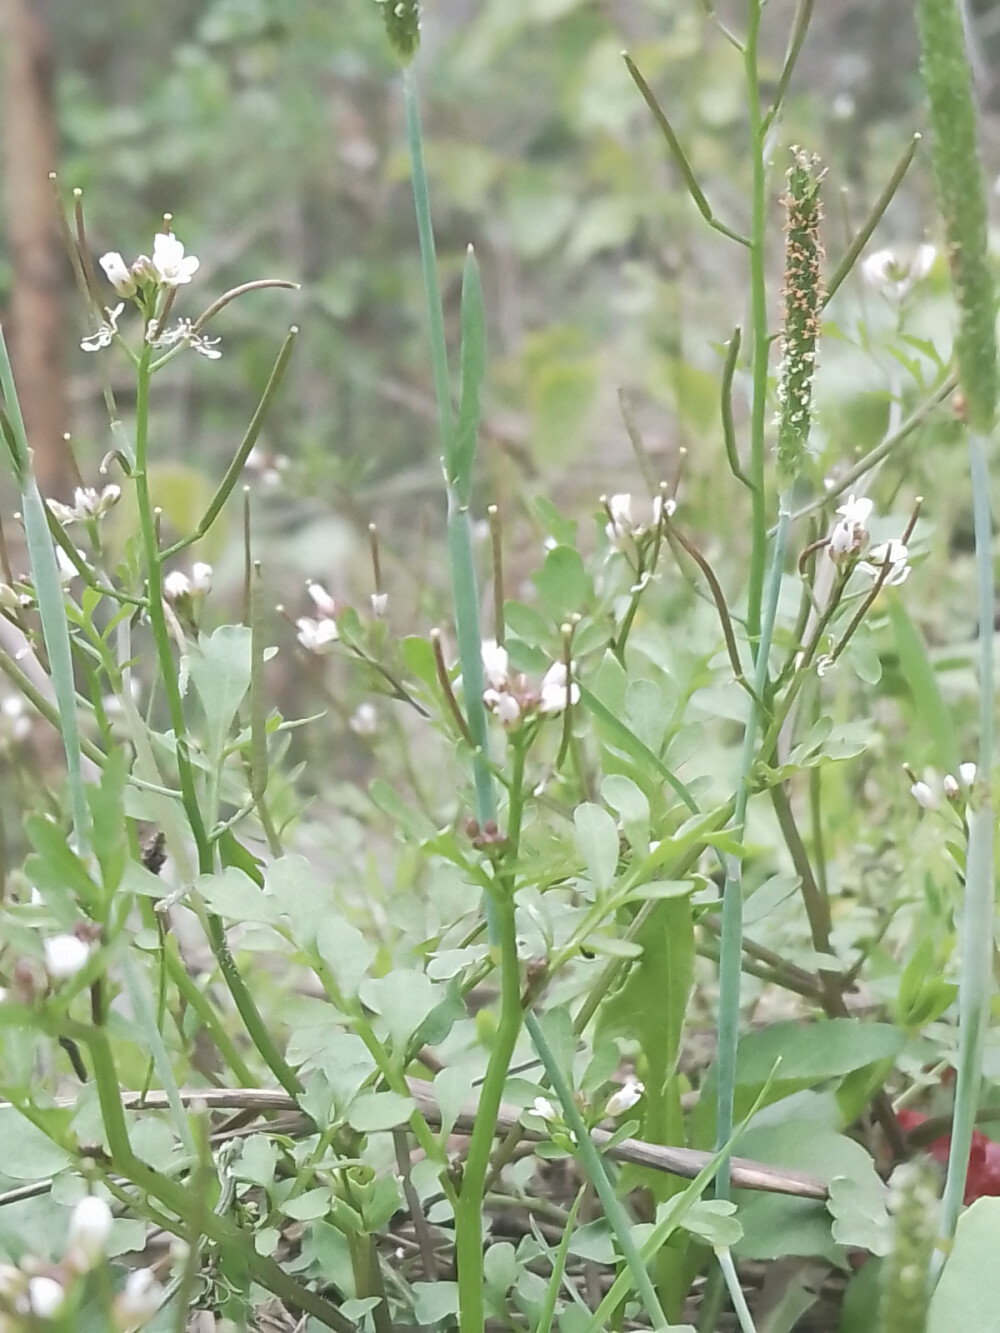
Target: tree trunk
[[34, 317]]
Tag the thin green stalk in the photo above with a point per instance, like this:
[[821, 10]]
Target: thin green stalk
[[975, 982], [242, 998], [758, 333], [49, 593], [469, 1205], [731, 941], [735, 1290], [594, 1165]]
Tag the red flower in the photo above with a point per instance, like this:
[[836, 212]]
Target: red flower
[[983, 1175]]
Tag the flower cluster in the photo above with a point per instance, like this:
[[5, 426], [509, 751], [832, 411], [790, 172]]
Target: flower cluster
[[318, 634], [510, 696], [178, 587], [35, 1292], [169, 267], [89, 504], [889, 561], [623, 527], [927, 794]]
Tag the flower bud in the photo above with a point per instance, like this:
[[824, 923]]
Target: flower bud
[[65, 955], [89, 1229], [138, 1302], [625, 1098], [924, 795], [45, 1296], [118, 273]]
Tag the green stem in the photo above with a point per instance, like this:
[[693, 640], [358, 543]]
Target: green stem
[[977, 915], [242, 998], [731, 941], [758, 332], [469, 1205]]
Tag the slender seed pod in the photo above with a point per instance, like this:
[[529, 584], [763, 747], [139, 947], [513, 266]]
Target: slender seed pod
[[914, 1206], [402, 24], [945, 68], [800, 325]]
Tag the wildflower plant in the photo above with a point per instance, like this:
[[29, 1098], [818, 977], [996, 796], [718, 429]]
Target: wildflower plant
[[628, 779]]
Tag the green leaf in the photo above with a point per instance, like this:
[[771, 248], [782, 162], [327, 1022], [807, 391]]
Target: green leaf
[[371, 1112], [563, 583], [812, 1052], [56, 865], [647, 712], [231, 894], [928, 702], [403, 998], [597, 842], [346, 953], [527, 624], [419, 658], [28, 1153], [309, 1206], [220, 669], [712, 1221], [968, 1293], [472, 365], [434, 1301], [258, 1158]]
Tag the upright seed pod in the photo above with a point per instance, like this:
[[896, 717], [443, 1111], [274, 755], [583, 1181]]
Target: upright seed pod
[[947, 81], [914, 1207], [402, 24], [800, 325]]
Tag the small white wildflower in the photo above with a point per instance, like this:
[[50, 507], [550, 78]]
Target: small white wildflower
[[17, 720], [625, 1098], [267, 466], [889, 275], [140, 1299], [89, 1229], [924, 795], [364, 722], [323, 602], [380, 603], [856, 511], [11, 600], [506, 706], [967, 772], [851, 532], [543, 1108], [317, 636], [661, 508], [621, 525], [171, 265], [176, 586], [65, 955], [556, 691], [950, 786], [45, 1296], [201, 577], [496, 664], [118, 273], [88, 503], [896, 555], [104, 334]]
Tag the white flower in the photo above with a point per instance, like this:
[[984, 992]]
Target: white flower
[[893, 552], [924, 795], [45, 1297], [89, 1229], [88, 503], [365, 719], [139, 1301], [621, 525], [625, 1098], [183, 331], [557, 692], [105, 332], [169, 261], [543, 1108], [851, 532], [506, 706], [317, 636], [950, 786], [496, 664], [380, 602], [118, 273], [856, 511], [323, 602], [894, 278], [967, 772], [65, 955], [14, 711], [201, 577], [176, 586]]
